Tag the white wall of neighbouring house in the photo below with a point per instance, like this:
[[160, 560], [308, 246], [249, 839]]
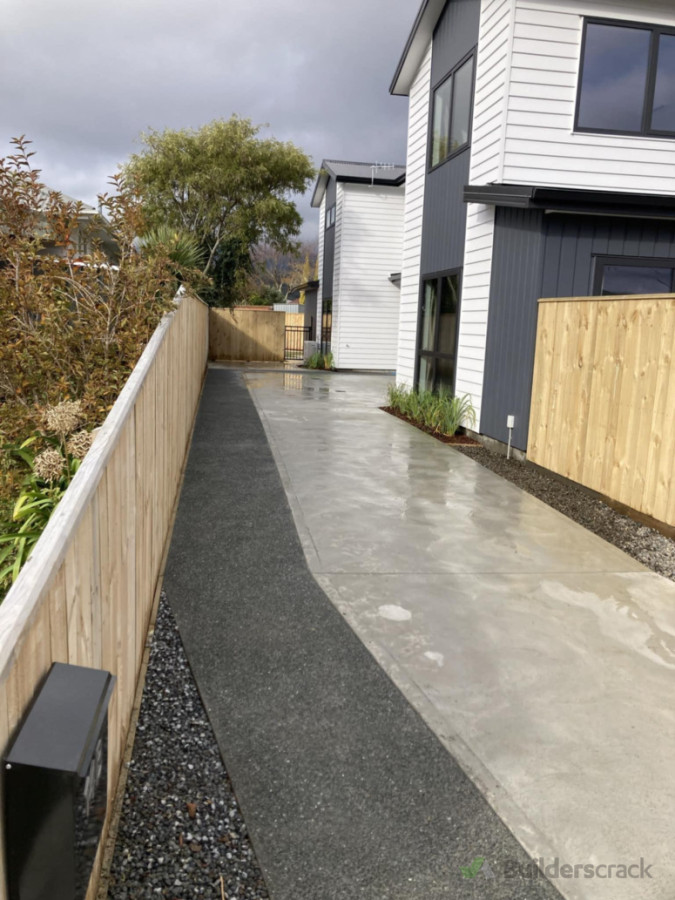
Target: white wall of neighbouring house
[[368, 251], [487, 140], [319, 295], [540, 146], [416, 169]]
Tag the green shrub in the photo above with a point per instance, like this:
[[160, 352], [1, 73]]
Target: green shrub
[[316, 361], [443, 413], [328, 360]]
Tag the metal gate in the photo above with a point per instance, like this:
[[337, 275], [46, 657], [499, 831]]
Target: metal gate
[[294, 342]]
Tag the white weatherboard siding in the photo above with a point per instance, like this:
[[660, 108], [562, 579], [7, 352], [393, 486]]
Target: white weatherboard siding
[[540, 146], [491, 92], [492, 78], [474, 304], [335, 326], [367, 305], [319, 296], [416, 168]]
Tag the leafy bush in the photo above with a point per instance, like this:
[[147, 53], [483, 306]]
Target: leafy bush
[[443, 413], [72, 324]]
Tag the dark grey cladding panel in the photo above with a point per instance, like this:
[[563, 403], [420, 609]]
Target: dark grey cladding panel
[[444, 229], [455, 34], [445, 212], [328, 245], [537, 255], [512, 323], [572, 242]]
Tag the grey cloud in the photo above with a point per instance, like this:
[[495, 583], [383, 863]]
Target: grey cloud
[[83, 79]]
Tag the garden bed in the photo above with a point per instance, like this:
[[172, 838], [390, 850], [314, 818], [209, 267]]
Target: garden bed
[[463, 439], [648, 546]]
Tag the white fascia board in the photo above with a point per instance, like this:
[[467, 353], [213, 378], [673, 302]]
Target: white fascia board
[[416, 47]]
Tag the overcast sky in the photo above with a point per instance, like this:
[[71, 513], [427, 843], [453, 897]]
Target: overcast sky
[[83, 78]]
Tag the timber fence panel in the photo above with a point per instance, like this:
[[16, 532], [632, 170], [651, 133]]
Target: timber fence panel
[[246, 335], [603, 397], [85, 596]]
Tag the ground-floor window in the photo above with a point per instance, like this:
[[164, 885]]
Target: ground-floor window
[[437, 331], [326, 324], [632, 275]]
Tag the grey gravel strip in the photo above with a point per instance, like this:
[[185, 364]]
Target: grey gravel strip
[[650, 547], [181, 829], [347, 794]]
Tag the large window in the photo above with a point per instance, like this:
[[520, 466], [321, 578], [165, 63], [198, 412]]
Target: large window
[[627, 79], [452, 113], [437, 350], [616, 275]]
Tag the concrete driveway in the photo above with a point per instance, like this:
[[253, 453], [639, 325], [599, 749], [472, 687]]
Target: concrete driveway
[[541, 656]]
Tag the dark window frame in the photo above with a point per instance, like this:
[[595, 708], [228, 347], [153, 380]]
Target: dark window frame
[[433, 354], [601, 260], [650, 86], [431, 166], [330, 217]]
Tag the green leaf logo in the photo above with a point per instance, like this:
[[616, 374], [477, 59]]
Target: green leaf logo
[[475, 867]]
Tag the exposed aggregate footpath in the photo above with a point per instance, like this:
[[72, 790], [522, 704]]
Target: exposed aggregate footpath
[[181, 833]]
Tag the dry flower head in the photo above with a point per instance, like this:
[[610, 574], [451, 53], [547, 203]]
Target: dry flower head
[[64, 418], [79, 443], [48, 465]]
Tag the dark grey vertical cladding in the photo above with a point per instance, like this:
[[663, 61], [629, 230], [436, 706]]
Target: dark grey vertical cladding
[[328, 245], [572, 243], [310, 312], [444, 227], [512, 323], [455, 34]]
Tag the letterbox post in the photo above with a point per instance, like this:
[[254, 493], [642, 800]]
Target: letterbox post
[[55, 783]]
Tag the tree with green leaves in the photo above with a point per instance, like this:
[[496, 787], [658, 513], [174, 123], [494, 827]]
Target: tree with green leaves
[[228, 187]]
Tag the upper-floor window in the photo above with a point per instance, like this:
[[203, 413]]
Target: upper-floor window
[[627, 79], [451, 118], [330, 216]]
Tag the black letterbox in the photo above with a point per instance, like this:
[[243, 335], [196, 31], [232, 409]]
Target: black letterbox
[[56, 786]]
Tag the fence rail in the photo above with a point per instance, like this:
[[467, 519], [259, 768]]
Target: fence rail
[[85, 596], [603, 397]]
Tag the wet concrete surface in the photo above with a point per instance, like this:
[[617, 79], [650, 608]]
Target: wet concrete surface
[[541, 656]]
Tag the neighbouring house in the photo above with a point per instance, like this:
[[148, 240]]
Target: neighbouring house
[[91, 231], [540, 163], [360, 243]]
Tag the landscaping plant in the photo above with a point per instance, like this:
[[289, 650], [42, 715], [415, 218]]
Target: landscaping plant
[[442, 412], [320, 360], [72, 325], [52, 457]]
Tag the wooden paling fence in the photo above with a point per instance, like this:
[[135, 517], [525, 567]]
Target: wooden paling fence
[[603, 397], [249, 334], [86, 594]]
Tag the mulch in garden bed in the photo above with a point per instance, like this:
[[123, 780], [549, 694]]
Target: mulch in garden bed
[[443, 438]]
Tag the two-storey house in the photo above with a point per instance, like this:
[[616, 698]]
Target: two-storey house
[[359, 261], [541, 163]]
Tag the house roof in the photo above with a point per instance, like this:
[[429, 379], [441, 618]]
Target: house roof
[[85, 209], [416, 45], [356, 173]]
